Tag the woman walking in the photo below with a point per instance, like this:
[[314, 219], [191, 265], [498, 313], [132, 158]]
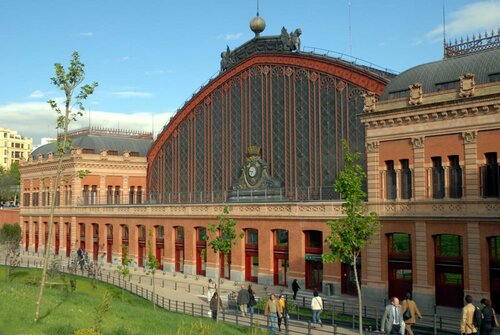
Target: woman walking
[[271, 311], [410, 309]]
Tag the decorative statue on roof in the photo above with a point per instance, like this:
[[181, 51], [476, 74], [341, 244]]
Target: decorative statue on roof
[[226, 59], [291, 41]]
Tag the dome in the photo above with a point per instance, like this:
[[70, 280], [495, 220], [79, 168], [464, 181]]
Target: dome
[[257, 24], [445, 74]]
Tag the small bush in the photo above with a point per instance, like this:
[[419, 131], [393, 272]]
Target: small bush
[[86, 331]]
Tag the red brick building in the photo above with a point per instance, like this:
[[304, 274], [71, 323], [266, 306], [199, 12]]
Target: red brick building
[[264, 137]]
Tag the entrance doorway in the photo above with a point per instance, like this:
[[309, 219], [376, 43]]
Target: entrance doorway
[[314, 263], [348, 281], [449, 270], [280, 251], [251, 255], [494, 246], [57, 241], [400, 264], [225, 266], [109, 243], [314, 274]]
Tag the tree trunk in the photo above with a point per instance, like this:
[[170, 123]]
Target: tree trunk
[[217, 290], [51, 216], [358, 287], [154, 291]]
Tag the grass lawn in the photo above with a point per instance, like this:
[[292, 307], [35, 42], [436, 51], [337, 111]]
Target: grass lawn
[[63, 313]]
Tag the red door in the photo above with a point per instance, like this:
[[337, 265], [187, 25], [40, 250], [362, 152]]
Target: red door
[[281, 266], [27, 237], [251, 266], [159, 255], [142, 248], [68, 240], [225, 266], [200, 261], [348, 284], [56, 246], [314, 274], [109, 249], [400, 279]]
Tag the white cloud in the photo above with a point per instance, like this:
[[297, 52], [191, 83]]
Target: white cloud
[[125, 58], [230, 36], [37, 120], [36, 94], [473, 18], [87, 34], [132, 94]]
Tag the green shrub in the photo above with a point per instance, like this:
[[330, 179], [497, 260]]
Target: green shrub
[[86, 331]]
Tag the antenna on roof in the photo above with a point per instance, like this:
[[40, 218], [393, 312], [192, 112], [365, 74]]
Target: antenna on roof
[[444, 32], [350, 39], [257, 7]]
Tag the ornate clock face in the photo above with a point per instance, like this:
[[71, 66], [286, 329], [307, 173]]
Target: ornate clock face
[[252, 171]]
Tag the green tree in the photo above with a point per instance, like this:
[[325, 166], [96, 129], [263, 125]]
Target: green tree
[[9, 184], [222, 236], [351, 233], [151, 264], [123, 269], [11, 237], [67, 81]]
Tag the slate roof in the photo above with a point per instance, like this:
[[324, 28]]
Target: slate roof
[[482, 64], [99, 143]]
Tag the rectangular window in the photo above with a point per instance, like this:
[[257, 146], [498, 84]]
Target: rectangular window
[[491, 178], [109, 195], [449, 246], [139, 195], [93, 195], [455, 177], [390, 180], [437, 178], [131, 195], [117, 195], [85, 194], [406, 186]]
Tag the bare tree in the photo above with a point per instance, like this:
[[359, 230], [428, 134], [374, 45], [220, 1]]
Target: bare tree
[[67, 81]]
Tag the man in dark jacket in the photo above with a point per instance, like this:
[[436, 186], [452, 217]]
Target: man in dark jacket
[[295, 288], [243, 300]]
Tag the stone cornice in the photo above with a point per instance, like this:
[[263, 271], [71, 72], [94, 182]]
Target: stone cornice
[[426, 115]]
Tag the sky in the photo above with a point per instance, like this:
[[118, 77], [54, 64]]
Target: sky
[[150, 56]]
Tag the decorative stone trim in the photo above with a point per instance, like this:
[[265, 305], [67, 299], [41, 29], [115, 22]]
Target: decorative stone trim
[[418, 142], [469, 136], [467, 85], [372, 146], [431, 116], [416, 94], [369, 102]]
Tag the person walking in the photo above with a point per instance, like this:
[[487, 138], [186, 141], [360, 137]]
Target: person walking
[[467, 323], [271, 312], [211, 289], [295, 288], [252, 300], [316, 307], [242, 300], [489, 318], [215, 305], [409, 307], [282, 312], [392, 320]]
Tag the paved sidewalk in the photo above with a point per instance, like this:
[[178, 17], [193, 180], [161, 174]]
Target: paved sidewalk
[[191, 291]]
